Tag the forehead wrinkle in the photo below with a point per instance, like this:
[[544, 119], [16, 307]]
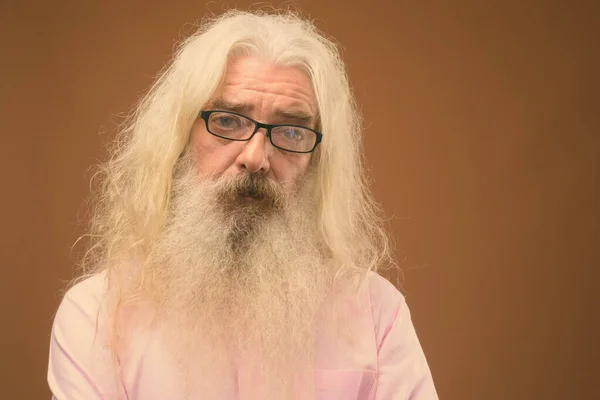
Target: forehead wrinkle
[[239, 75], [295, 91], [278, 84], [267, 91], [222, 104], [297, 108]]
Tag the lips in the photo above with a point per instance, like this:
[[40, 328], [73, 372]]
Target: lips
[[252, 191], [251, 194]]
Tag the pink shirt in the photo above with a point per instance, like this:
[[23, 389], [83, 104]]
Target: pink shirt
[[384, 361]]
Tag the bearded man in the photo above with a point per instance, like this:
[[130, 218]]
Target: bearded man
[[234, 244]]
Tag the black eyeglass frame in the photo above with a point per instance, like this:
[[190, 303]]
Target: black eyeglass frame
[[205, 115]]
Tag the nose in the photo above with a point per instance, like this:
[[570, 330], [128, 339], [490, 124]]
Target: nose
[[254, 156]]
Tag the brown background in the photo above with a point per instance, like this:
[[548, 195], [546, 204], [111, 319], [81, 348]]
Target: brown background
[[482, 139]]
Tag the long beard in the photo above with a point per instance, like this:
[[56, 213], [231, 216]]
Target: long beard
[[238, 278]]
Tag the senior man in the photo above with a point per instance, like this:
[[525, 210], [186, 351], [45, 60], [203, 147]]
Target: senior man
[[234, 246]]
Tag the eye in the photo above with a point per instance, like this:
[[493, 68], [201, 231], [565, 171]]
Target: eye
[[293, 134], [227, 122]]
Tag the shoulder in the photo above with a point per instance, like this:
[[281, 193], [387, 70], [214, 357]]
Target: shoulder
[[381, 288], [81, 305], [384, 296], [90, 289], [86, 295], [388, 305], [402, 365], [80, 360]]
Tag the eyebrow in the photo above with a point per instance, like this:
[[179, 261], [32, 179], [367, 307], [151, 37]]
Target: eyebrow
[[298, 115]]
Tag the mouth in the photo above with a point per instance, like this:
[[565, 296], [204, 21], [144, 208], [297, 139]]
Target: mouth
[[251, 195], [248, 196], [251, 192]]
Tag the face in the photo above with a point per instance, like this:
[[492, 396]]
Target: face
[[269, 94]]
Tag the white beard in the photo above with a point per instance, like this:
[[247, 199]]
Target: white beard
[[234, 278]]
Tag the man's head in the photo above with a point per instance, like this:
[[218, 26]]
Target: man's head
[[254, 87], [235, 198]]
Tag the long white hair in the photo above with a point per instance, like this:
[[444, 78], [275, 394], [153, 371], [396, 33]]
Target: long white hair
[[132, 200]]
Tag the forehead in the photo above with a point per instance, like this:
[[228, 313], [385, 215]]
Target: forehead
[[257, 84]]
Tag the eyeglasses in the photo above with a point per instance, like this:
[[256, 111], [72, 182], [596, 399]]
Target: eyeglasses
[[233, 126]]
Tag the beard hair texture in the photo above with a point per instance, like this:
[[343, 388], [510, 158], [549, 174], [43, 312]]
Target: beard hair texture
[[238, 278]]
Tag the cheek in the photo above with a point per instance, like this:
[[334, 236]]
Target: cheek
[[289, 167], [211, 156]]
